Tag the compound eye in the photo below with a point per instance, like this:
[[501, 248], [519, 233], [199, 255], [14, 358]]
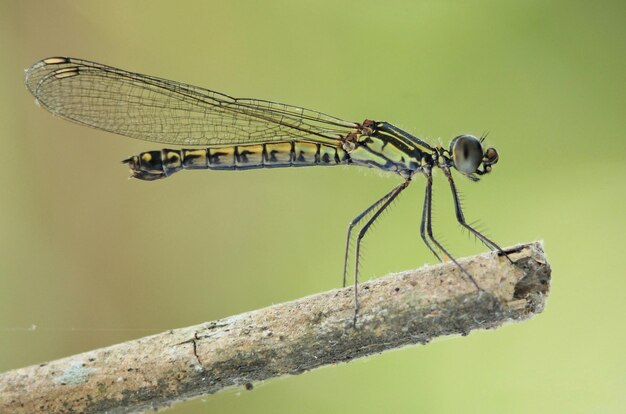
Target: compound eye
[[491, 155], [467, 153]]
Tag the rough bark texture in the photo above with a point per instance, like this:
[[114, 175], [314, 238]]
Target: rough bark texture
[[406, 308]]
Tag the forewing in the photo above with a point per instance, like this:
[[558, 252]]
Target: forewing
[[169, 112]]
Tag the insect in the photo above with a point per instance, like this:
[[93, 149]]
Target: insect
[[229, 133]]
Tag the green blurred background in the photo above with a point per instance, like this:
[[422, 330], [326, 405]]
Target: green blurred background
[[89, 258]]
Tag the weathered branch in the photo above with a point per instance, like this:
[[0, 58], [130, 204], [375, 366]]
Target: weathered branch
[[289, 338]]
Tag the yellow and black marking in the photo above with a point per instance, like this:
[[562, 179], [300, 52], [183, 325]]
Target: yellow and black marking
[[154, 165], [382, 148]]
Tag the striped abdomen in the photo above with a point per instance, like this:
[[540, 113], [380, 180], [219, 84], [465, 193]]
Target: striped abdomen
[[153, 165]]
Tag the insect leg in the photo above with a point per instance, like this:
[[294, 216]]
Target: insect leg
[[426, 219], [429, 229], [461, 218], [353, 224], [386, 202]]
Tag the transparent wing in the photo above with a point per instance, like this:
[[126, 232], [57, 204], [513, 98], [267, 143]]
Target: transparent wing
[[169, 112]]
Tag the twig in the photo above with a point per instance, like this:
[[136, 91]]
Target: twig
[[289, 338]]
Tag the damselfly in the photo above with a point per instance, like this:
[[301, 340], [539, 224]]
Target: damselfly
[[241, 134]]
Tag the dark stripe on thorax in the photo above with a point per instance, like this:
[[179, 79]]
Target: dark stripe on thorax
[[410, 148]]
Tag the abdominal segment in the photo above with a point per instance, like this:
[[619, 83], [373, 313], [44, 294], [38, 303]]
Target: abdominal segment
[[154, 165]]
